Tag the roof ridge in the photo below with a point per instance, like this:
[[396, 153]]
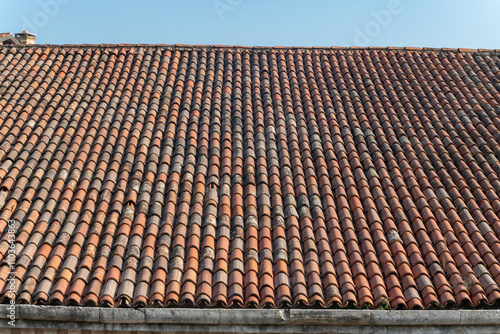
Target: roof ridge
[[279, 47]]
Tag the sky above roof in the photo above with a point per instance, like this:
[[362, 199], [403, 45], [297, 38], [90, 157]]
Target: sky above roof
[[424, 23]]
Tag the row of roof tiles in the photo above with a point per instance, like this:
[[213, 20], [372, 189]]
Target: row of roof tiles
[[241, 47]]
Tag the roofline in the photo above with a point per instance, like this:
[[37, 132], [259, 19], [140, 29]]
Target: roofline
[[240, 47], [191, 320], [8, 36]]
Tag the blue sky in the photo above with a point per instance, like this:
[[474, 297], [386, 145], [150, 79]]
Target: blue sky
[[421, 23]]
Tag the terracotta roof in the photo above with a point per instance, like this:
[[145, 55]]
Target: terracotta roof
[[222, 176]]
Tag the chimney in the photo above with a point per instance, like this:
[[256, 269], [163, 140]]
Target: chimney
[[26, 38]]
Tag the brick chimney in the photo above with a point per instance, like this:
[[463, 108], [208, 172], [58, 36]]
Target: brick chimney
[[26, 38]]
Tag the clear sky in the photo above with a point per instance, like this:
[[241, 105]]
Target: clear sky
[[421, 23]]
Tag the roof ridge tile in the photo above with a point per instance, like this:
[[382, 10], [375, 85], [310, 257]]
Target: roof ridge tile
[[242, 47]]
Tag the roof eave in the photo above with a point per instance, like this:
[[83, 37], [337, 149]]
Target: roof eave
[[190, 320]]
